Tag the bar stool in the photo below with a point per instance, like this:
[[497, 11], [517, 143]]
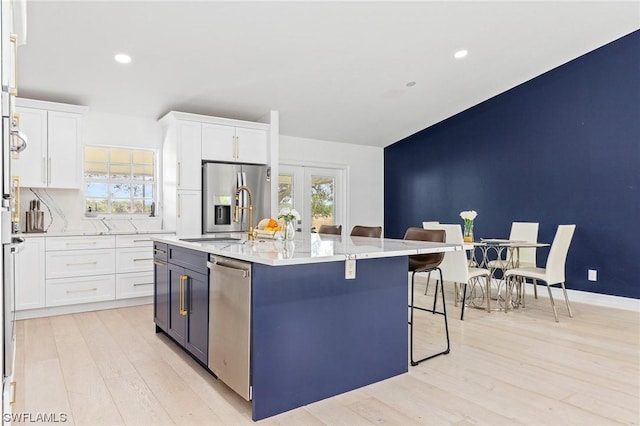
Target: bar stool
[[427, 263], [366, 231], [330, 229]]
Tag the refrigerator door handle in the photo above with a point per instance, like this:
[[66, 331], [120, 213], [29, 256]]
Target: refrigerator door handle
[[18, 134]]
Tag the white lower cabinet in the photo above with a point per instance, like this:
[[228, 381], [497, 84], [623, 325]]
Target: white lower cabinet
[[135, 284], [80, 263], [134, 266], [60, 271], [70, 291], [30, 274], [134, 260], [80, 270]]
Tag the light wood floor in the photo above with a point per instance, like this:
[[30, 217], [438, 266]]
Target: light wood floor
[[109, 367]]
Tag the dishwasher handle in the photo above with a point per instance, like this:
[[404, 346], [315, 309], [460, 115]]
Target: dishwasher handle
[[241, 270]]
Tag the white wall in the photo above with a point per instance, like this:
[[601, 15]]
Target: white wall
[[121, 130], [365, 173]]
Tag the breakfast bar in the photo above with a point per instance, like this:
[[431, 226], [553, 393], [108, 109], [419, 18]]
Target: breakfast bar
[[328, 314]]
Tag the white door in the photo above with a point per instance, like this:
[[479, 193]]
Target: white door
[[317, 193]]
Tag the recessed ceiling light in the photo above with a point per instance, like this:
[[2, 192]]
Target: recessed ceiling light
[[460, 54], [411, 84], [122, 58]]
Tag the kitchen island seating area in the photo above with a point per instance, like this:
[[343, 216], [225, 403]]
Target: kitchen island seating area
[[426, 263], [325, 318]]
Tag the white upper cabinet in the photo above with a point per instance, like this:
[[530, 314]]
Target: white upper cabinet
[[52, 157], [188, 155], [218, 142], [30, 165], [63, 149], [234, 144], [190, 139]]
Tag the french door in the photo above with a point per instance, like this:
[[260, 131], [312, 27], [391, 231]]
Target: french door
[[317, 193]]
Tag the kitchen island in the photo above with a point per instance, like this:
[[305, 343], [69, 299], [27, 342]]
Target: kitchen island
[[328, 314]]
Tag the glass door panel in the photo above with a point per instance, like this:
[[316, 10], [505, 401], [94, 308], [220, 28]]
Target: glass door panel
[[315, 192], [322, 201]]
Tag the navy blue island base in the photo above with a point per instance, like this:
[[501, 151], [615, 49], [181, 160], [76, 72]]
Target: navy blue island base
[[316, 334]]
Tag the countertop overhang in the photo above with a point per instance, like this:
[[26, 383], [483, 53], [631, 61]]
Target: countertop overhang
[[310, 248]]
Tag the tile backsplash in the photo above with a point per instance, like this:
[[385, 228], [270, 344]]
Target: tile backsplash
[[64, 212]]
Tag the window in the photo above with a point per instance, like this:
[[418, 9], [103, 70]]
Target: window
[[119, 180]]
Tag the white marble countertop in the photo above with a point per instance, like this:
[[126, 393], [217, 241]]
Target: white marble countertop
[[90, 233], [310, 248]]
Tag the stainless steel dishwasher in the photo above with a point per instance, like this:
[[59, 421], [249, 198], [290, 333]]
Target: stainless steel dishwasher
[[230, 322]]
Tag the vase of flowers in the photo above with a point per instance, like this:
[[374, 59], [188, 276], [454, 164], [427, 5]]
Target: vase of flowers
[[289, 216], [468, 217]]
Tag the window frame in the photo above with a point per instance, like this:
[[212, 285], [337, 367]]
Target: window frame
[[108, 181]]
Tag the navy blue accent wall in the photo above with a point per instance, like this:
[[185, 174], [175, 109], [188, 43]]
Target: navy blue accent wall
[[561, 148]]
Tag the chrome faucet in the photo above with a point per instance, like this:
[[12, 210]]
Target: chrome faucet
[[251, 233]]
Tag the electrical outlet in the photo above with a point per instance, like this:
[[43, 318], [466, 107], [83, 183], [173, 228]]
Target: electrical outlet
[[592, 275]]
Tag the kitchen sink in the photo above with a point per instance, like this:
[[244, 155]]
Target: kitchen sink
[[212, 240]]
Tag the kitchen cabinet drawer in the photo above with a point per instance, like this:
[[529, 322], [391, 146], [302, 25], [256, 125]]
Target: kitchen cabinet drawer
[[160, 251], [134, 240], [134, 260], [190, 259], [69, 291], [76, 263], [134, 285], [78, 243]]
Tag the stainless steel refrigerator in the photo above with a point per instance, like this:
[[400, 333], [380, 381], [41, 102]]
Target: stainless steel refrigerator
[[220, 181]]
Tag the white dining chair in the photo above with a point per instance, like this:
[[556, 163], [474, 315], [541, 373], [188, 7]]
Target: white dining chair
[[455, 265], [520, 231], [426, 225], [554, 271]]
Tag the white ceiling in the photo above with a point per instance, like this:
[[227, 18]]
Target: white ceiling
[[334, 70]]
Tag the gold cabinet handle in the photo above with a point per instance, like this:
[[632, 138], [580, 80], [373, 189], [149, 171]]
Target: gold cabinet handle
[[140, 241], [179, 205], [82, 243], [82, 290], [155, 250], [179, 174], [82, 263], [141, 259], [183, 301], [159, 262], [139, 284], [14, 392], [13, 89]]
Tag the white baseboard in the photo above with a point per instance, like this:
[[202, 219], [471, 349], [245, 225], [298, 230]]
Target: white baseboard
[[83, 307], [587, 297]]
